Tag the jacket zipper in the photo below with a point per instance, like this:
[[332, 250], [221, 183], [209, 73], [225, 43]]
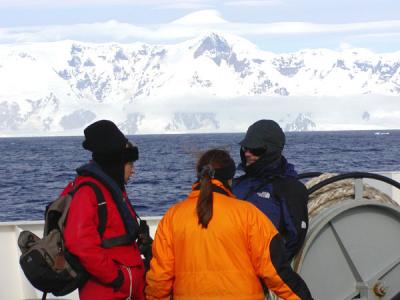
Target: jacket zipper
[[130, 282]]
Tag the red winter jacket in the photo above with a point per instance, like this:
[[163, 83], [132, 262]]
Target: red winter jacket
[[83, 240]]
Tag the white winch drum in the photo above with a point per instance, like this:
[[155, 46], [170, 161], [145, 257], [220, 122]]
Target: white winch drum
[[352, 251]]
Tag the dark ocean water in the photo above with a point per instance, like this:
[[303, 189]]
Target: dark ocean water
[[33, 171]]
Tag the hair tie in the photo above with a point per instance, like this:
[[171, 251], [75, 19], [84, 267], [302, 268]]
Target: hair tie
[[206, 170]]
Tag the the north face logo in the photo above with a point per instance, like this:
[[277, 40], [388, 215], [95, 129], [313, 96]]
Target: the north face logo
[[264, 195]]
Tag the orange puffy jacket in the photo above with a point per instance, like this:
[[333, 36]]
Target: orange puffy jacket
[[224, 261]]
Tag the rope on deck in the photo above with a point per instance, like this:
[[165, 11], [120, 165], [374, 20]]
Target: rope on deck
[[339, 191]]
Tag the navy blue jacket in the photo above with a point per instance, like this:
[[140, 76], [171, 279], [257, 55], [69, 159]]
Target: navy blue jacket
[[271, 193]]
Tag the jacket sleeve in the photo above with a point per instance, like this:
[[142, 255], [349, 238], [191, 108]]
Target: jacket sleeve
[[267, 254], [160, 277], [293, 198], [83, 240], [290, 234]]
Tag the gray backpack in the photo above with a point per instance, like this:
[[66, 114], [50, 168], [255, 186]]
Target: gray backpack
[[46, 263]]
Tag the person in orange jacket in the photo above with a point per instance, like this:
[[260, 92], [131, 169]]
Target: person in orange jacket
[[213, 246]]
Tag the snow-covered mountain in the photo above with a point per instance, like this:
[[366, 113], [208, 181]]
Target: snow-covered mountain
[[302, 122], [212, 83]]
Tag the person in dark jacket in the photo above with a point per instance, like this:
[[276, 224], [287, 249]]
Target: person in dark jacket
[[112, 258], [270, 183]]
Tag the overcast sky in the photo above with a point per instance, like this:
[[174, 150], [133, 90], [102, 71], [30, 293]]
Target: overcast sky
[[273, 25]]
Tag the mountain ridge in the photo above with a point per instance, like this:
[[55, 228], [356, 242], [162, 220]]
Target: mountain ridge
[[63, 86]]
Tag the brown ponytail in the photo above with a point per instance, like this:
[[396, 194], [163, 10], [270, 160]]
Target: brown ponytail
[[208, 163], [205, 202]]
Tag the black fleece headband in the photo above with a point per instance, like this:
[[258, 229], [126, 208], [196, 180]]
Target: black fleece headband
[[224, 173], [130, 154], [123, 156]]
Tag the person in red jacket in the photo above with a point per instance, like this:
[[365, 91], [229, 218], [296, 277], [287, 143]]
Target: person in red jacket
[[112, 258]]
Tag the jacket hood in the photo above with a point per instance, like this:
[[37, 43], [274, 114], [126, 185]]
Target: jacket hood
[[261, 169]]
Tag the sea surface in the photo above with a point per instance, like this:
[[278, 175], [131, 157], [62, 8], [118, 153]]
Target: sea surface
[[33, 171]]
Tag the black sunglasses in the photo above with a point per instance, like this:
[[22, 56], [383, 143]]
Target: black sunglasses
[[255, 151]]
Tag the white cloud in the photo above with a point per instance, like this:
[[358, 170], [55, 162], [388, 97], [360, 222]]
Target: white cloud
[[157, 4], [381, 114], [194, 4], [186, 27], [369, 36], [345, 46], [254, 3], [311, 28], [98, 32], [203, 18]]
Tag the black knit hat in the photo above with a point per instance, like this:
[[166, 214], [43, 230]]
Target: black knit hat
[[108, 144], [104, 137], [110, 149], [264, 134]]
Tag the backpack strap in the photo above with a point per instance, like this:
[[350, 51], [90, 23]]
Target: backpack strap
[[116, 241], [102, 213], [101, 205]]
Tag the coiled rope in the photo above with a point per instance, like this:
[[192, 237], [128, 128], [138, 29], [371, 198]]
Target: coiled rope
[[339, 191]]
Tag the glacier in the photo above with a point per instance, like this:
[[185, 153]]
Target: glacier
[[213, 83]]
